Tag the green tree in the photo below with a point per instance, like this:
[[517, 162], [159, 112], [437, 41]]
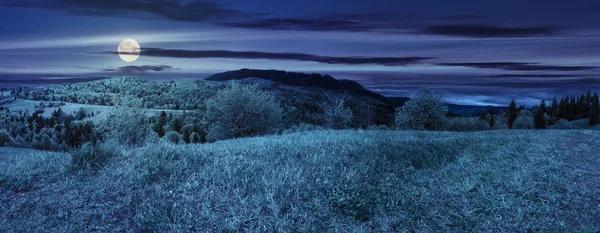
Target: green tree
[[594, 110], [540, 120], [524, 120], [490, 118], [337, 114], [425, 111], [5, 138], [241, 110], [511, 113]]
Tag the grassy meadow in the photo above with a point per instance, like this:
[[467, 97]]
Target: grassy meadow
[[314, 181]]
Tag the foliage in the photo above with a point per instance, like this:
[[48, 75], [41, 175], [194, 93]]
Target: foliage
[[93, 157], [563, 124], [302, 127], [5, 138], [465, 124], [512, 113], [337, 114], [524, 120], [129, 126], [174, 137], [425, 111], [241, 110]]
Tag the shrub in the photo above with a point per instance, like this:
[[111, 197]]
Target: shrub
[[524, 120], [93, 157], [127, 125], [378, 127], [302, 127], [6, 139], [563, 124], [174, 137], [337, 115], [425, 111], [500, 127], [465, 124], [195, 138], [21, 143], [241, 110]]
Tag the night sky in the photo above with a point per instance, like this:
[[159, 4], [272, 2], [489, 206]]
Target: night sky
[[475, 52]]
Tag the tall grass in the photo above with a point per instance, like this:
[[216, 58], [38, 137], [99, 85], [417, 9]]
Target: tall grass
[[316, 181]]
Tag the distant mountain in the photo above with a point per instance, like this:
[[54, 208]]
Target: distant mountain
[[468, 110], [329, 83], [300, 79]]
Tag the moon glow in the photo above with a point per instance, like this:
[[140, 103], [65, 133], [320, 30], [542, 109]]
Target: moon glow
[[129, 50]]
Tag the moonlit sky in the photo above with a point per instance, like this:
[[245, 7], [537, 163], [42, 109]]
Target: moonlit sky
[[475, 52]]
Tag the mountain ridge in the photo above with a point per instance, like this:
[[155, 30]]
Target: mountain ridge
[[326, 81]]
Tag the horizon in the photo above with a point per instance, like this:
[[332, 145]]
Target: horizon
[[475, 53]]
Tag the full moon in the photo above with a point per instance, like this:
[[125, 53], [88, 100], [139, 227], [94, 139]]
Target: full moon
[[129, 50]]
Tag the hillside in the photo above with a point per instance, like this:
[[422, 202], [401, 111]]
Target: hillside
[[326, 82], [320, 181], [299, 79]]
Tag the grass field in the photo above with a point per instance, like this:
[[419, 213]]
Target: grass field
[[319, 181]]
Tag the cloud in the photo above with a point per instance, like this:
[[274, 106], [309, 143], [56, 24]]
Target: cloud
[[303, 24], [173, 53], [189, 11], [520, 66], [486, 31], [144, 68]]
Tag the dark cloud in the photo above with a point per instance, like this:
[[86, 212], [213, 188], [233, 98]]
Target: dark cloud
[[386, 61], [486, 31], [133, 69], [190, 11], [219, 13], [521, 66], [303, 24]]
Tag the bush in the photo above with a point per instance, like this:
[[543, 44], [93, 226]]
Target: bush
[[378, 127], [6, 139], [563, 124], [500, 127], [241, 110], [302, 127], [174, 137], [524, 120], [127, 125], [337, 115], [93, 157], [465, 124], [425, 111]]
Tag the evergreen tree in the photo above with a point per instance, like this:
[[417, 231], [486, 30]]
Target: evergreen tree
[[491, 121], [594, 110], [540, 120], [512, 113], [563, 108], [554, 108], [572, 109], [159, 126]]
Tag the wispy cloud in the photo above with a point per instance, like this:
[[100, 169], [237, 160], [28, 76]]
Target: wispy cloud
[[304, 24], [355, 60], [520, 66], [190, 11], [144, 68]]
